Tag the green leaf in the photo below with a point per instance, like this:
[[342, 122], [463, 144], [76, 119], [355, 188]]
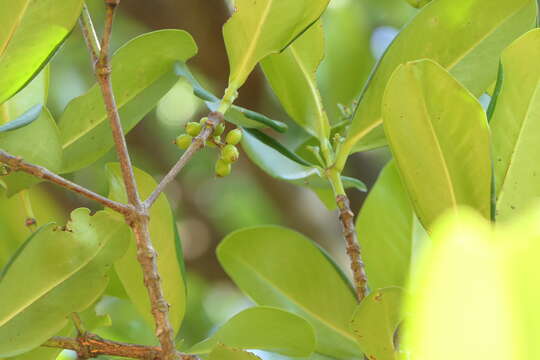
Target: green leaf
[[222, 352], [38, 143], [293, 77], [33, 94], [279, 267], [375, 322], [167, 244], [68, 273], [479, 31], [143, 72], [260, 28], [460, 305], [515, 124], [386, 228], [263, 328], [449, 162], [31, 32]]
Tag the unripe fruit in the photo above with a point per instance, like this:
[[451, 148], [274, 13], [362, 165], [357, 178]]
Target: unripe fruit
[[183, 141], [219, 129], [203, 121], [230, 153], [234, 137], [222, 168], [193, 128]]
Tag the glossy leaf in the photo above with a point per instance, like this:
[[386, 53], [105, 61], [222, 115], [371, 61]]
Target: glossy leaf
[[35, 93], [260, 28], [167, 244], [31, 32], [293, 77], [69, 270], [515, 124], [459, 296], [449, 162], [38, 143], [279, 267], [222, 352], [143, 72], [263, 328], [375, 322], [386, 228], [479, 31]]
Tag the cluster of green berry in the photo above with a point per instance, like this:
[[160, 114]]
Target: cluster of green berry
[[228, 150]]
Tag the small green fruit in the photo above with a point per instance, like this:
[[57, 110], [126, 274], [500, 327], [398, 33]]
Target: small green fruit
[[183, 141], [203, 121], [193, 128], [219, 129], [222, 168], [230, 153], [234, 137]]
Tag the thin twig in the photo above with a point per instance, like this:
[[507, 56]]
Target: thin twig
[[346, 217], [139, 222], [89, 346], [214, 119], [16, 163]]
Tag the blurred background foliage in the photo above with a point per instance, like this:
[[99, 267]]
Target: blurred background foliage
[[207, 208]]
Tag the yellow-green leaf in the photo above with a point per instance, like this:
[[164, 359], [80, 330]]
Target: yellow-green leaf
[[293, 77], [515, 125], [142, 73], [375, 322], [167, 244], [479, 30], [439, 136], [54, 273], [30, 33], [262, 27]]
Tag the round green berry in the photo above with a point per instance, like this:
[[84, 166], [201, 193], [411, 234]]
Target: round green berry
[[193, 128], [219, 129], [203, 121], [234, 137], [183, 141], [222, 168], [230, 153]]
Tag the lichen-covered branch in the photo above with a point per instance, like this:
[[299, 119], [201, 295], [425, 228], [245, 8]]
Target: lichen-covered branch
[[88, 346], [346, 218]]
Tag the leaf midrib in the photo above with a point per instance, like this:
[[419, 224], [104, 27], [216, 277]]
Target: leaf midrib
[[13, 29], [104, 116], [321, 118], [438, 147], [487, 35], [516, 144], [52, 287], [292, 300], [253, 45]]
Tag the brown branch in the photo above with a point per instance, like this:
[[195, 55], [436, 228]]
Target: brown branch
[[88, 346], [346, 217], [139, 221], [16, 163], [214, 119]]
